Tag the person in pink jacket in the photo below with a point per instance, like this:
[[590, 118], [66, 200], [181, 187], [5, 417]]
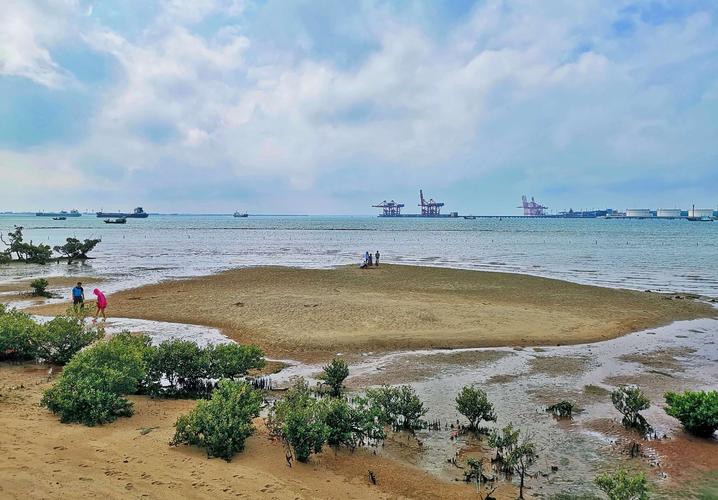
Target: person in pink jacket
[[101, 304]]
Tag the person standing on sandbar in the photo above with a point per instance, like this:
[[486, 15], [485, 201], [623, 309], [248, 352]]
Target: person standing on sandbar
[[376, 259]]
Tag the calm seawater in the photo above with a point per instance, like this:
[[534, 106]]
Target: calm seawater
[[665, 255]]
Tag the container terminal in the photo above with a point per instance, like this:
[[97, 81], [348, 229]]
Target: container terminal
[[533, 209]]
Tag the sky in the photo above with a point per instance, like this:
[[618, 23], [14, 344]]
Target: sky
[[330, 106]]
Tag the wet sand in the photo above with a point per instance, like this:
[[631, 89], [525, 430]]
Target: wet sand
[[306, 314], [42, 458], [59, 286]]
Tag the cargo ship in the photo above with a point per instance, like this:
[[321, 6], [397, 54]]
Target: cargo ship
[[62, 213], [137, 213]]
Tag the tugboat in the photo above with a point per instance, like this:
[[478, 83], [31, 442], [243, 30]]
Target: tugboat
[[138, 213], [241, 214], [469, 217], [62, 213], [121, 220], [59, 218]]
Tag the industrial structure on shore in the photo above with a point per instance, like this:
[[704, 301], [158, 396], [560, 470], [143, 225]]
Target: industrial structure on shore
[[429, 208], [534, 209]]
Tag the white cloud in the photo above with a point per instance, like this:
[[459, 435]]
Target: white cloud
[[527, 85]]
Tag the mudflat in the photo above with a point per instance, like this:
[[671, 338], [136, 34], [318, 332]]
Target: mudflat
[[308, 313]]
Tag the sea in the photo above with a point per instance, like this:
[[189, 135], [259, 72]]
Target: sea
[[659, 255]]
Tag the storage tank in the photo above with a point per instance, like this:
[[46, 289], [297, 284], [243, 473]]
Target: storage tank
[[638, 213], [702, 213], [669, 213]]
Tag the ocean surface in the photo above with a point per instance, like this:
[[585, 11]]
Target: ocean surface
[[660, 255]]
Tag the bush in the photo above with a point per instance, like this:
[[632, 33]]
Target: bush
[[233, 360], [562, 409], [17, 330], [39, 288], [188, 367], [504, 442], [5, 257], [629, 400], [623, 486], [697, 411], [181, 362], [300, 420], [351, 425], [92, 384], [475, 406], [398, 406], [60, 338], [221, 424], [334, 375]]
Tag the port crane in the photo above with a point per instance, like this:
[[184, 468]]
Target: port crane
[[429, 208], [532, 207], [390, 208]]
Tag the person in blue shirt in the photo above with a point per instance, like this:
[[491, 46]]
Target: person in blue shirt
[[78, 298]]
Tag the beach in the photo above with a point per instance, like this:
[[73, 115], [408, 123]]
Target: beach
[[315, 313], [528, 341]]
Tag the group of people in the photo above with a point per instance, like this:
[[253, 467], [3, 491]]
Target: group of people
[[370, 261], [78, 301]]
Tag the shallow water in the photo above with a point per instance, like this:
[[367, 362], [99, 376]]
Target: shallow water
[[667, 255]]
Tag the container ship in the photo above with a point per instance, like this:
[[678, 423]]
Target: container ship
[[62, 213], [137, 213]]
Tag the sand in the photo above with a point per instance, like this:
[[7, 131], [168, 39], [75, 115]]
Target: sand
[[19, 290], [307, 314], [42, 458]]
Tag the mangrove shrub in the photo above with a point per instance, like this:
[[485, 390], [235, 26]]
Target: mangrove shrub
[[398, 406], [39, 287], [59, 339], [629, 400], [221, 424], [697, 411], [334, 375], [17, 331], [475, 406], [623, 486], [75, 249], [92, 385]]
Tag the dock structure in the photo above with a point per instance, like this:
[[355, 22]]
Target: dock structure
[[429, 208], [532, 208], [390, 208]]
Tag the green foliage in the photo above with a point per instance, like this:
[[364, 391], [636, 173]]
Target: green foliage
[[334, 375], [187, 367], [17, 330], [629, 400], [505, 442], [39, 287], [5, 257], [351, 425], [60, 338], [398, 406], [697, 411], [92, 384], [221, 424], [473, 471], [623, 486], [233, 360], [300, 419], [562, 409], [181, 362], [475, 406], [75, 249], [36, 254]]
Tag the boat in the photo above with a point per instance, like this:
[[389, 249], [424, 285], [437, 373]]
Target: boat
[[137, 213], [469, 217], [62, 213], [700, 215], [59, 218], [120, 220], [241, 214]]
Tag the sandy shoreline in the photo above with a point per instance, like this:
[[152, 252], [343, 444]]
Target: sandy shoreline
[[309, 314]]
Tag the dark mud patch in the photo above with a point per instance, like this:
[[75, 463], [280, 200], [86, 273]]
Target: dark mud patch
[[504, 378], [424, 367], [558, 366], [671, 358]]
